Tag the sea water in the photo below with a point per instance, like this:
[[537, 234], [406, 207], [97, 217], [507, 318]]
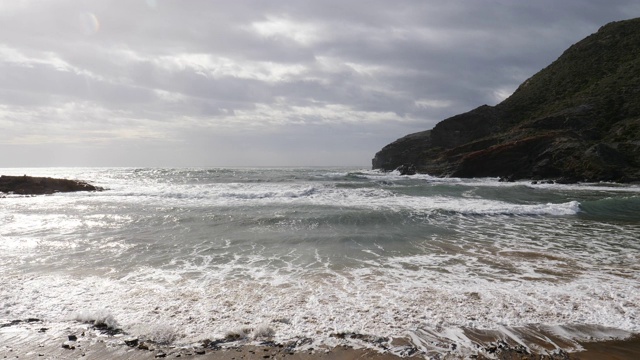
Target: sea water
[[181, 255]]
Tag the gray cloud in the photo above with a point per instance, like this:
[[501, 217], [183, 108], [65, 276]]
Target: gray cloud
[[201, 83]]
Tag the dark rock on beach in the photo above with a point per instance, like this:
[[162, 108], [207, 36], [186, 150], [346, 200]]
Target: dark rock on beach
[[132, 342], [576, 120], [27, 185]]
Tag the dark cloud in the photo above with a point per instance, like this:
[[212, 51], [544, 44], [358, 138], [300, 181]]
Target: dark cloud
[[166, 82]]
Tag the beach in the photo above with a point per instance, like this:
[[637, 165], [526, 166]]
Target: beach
[[317, 260], [27, 340]]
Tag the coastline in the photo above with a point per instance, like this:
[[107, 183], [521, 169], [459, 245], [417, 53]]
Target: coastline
[[32, 338], [199, 260]]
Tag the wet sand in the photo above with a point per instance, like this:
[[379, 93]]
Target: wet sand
[[25, 346], [102, 351], [33, 340], [611, 350]]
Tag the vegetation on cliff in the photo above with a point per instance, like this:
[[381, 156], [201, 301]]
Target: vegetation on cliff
[[577, 120]]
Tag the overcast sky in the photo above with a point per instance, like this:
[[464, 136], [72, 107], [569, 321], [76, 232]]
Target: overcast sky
[[262, 83]]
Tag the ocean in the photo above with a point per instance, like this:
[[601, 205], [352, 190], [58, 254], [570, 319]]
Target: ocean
[[324, 257]]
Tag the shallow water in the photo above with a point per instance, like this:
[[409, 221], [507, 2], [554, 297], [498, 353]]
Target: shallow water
[[197, 253]]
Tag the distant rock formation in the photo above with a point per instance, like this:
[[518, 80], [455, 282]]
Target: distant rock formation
[[27, 185], [407, 169], [576, 120]]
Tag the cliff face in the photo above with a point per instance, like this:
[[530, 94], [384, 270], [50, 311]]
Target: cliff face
[[577, 120]]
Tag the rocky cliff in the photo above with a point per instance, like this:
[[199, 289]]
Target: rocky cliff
[[576, 120]]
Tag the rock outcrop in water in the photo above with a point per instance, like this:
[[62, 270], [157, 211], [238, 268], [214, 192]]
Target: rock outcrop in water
[[576, 120], [27, 185]]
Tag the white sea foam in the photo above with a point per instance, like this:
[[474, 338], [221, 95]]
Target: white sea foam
[[175, 256], [329, 195], [96, 317], [381, 302], [161, 333]]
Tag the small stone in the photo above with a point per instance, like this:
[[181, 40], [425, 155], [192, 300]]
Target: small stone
[[143, 346], [73, 338], [161, 354], [199, 351], [131, 342]]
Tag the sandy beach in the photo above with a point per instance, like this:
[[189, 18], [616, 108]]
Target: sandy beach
[[32, 339]]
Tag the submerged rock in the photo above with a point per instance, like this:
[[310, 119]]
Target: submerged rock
[[28, 185], [406, 169]]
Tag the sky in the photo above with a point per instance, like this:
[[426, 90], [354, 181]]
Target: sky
[[199, 83]]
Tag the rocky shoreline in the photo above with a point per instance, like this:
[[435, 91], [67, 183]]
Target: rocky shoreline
[[28, 185]]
